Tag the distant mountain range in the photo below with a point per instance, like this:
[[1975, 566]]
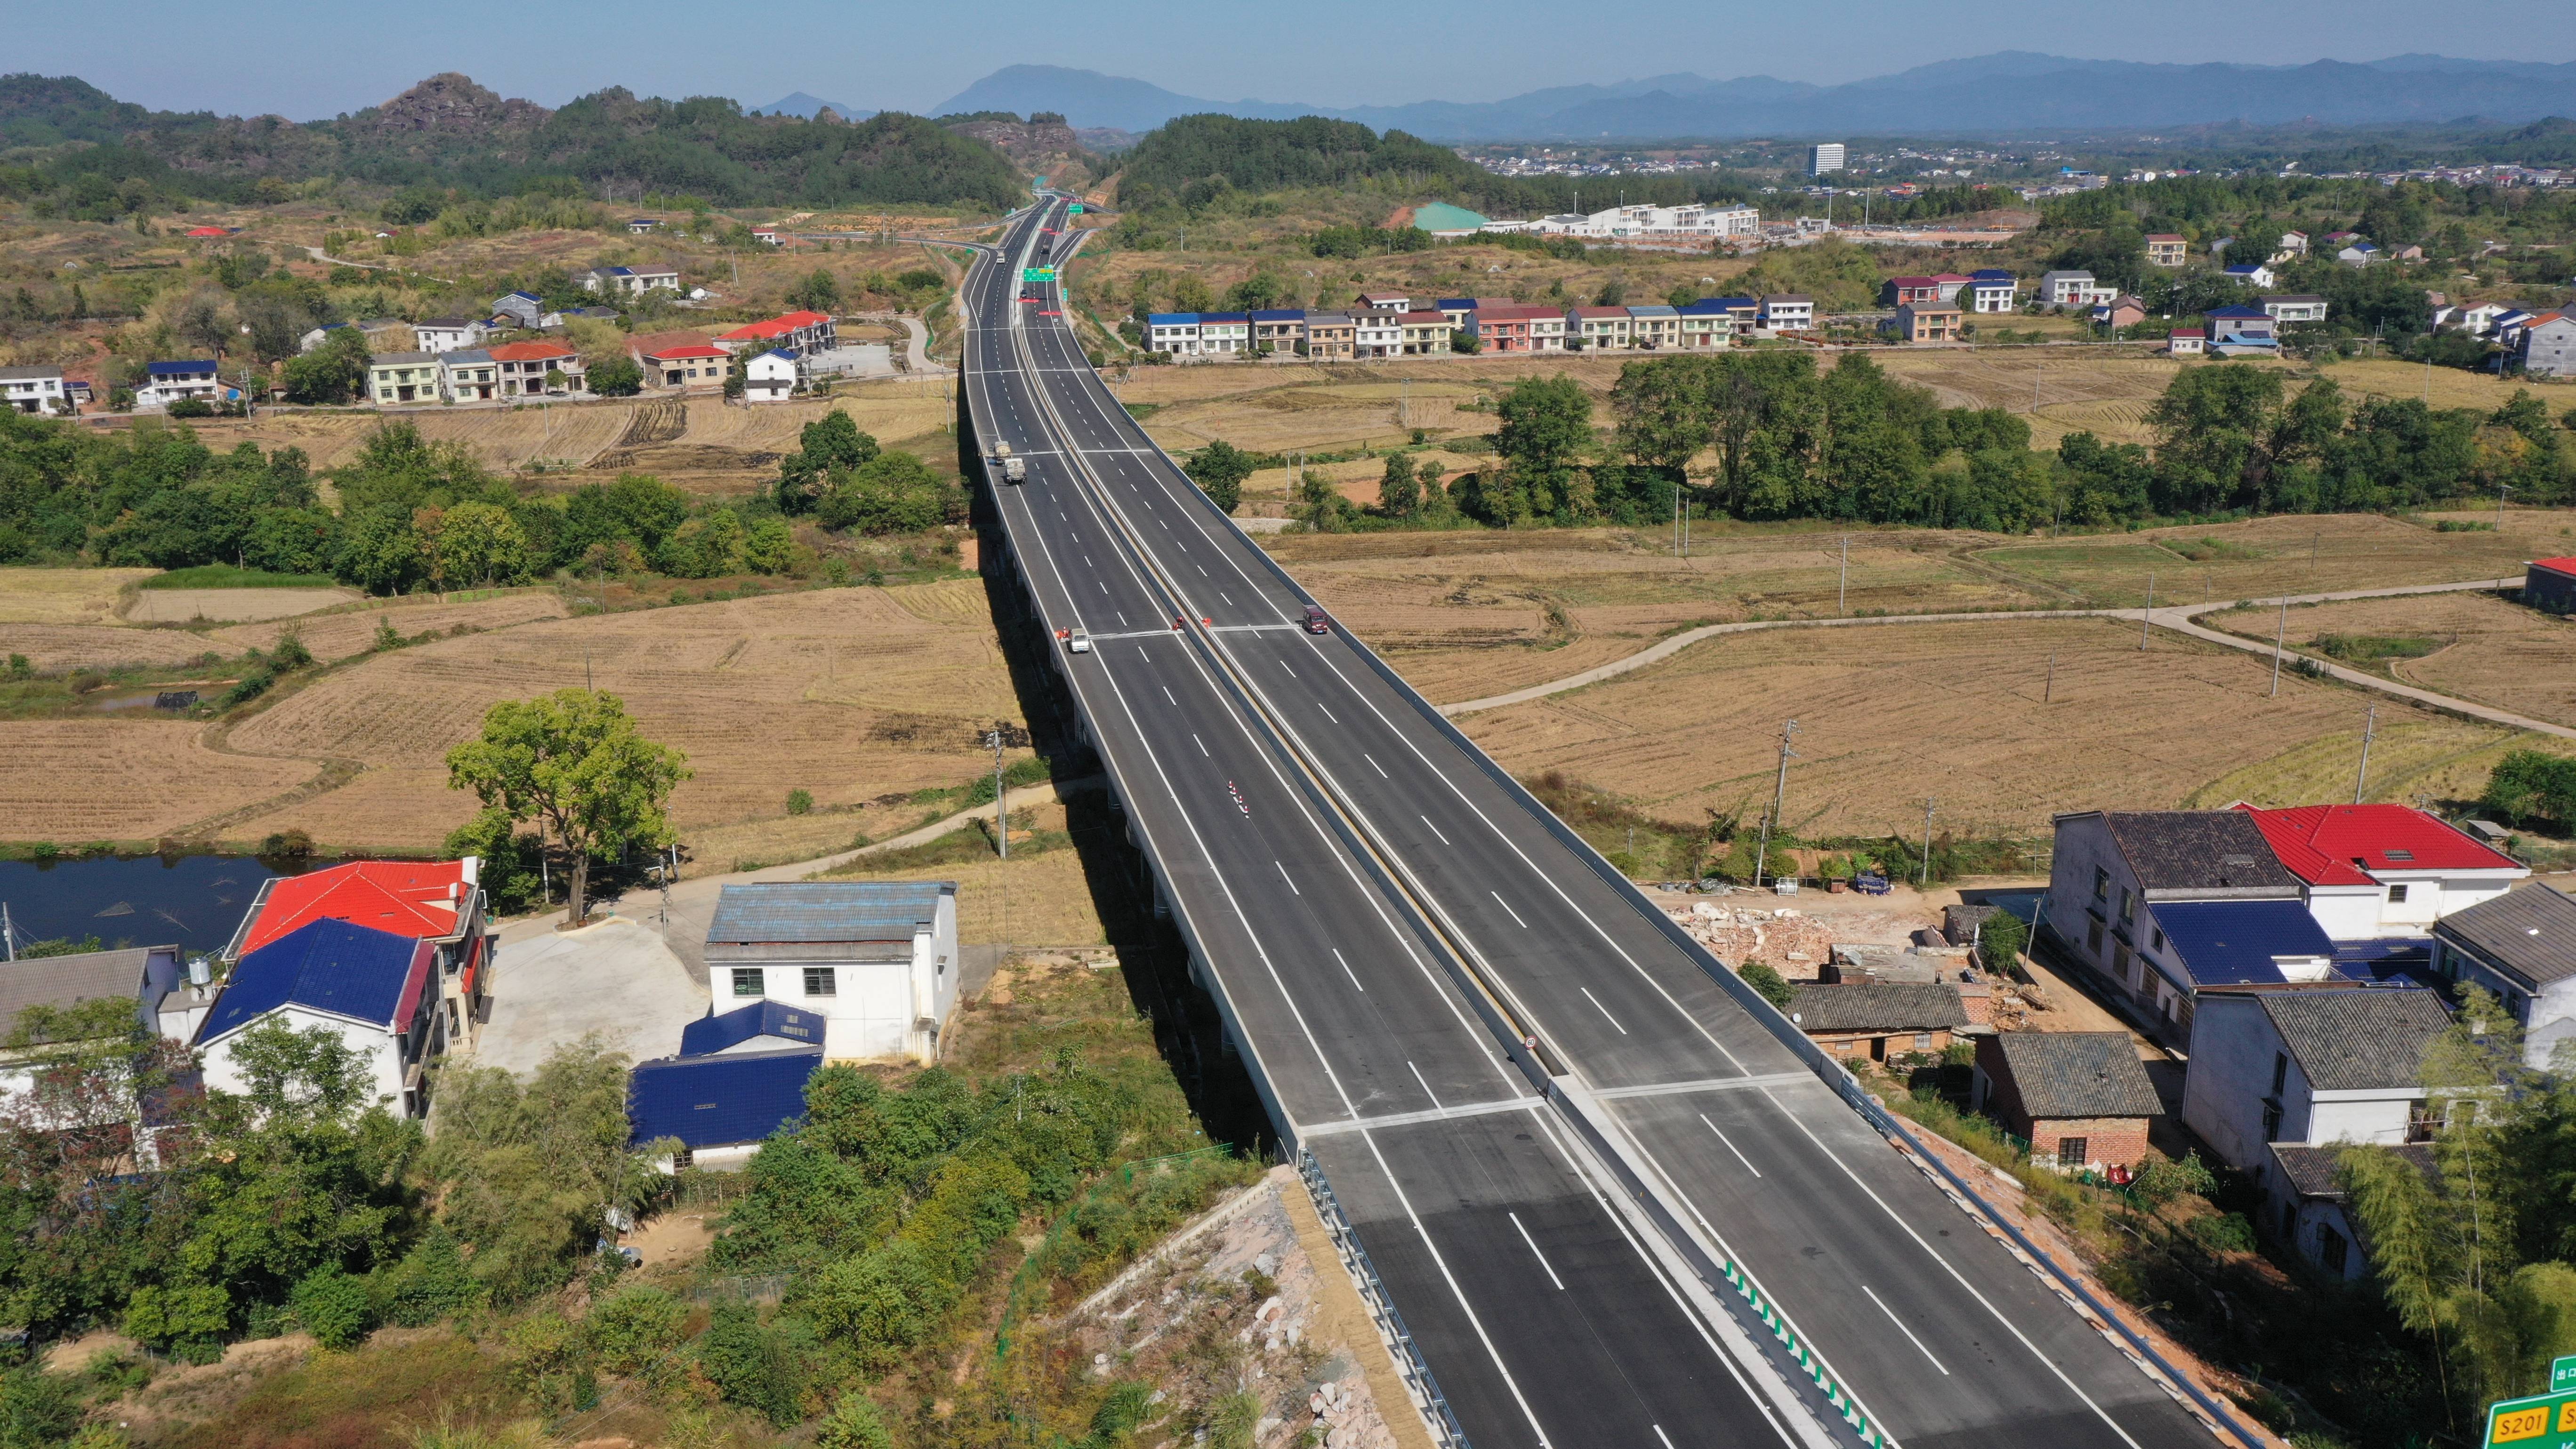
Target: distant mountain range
[[801, 104], [2004, 92]]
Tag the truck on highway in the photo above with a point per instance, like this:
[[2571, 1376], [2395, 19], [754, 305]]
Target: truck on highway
[[1014, 470]]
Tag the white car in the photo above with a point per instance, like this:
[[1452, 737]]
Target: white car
[[1076, 641]]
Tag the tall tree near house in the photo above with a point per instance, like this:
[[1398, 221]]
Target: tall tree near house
[[1399, 492], [573, 762]]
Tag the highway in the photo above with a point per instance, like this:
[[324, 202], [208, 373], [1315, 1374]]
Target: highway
[[1391, 925]]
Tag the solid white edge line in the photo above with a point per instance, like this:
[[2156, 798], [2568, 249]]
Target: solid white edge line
[[1731, 1147], [1900, 1326], [1605, 1011], [1534, 1252]]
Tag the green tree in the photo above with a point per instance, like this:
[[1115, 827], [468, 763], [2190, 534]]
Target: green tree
[[2213, 438], [891, 493], [482, 542], [573, 762], [617, 376], [1768, 983], [1546, 433], [827, 447], [853, 1424], [819, 291], [335, 372], [2000, 939], [1399, 492], [1321, 504], [2529, 785], [1220, 469], [333, 1307]]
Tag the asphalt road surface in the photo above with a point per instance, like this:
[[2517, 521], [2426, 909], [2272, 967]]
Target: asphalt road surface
[[1385, 915]]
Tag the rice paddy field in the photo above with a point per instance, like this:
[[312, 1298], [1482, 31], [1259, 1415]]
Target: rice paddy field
[[2477, 646]]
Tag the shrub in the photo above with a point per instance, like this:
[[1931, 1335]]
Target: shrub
[[250, 686], [430, 1283], [334, 1307], [635, 1328], [1773, 987], [36, 1408], [853, 1424], [547, 1361], [800, 802], [290, 653], [754, 1365]]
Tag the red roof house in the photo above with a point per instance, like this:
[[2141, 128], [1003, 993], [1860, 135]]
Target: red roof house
[[204, 233], [2382, 870], [437, 902]]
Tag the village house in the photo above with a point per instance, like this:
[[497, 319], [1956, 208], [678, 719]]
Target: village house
[[1925, 322], [373, 990], [682, 360], [2295, 307], [2282, 1078], [2121, 311], [2546, 346], [394, 378], [2167, 249], [142, 976], [2241, 331], [468, 376], [1874, 1020], [2307, 1208], [1507, 327], [1899, 291], [799, 334], [2382, 870], [2359, 252], [448, 334], [1225, 334], [1788, 312], [2549, 584], [1377, 332], [1992, 289], [1654, 328], [1950, 285], [524, 368], [877, 960], [1598, 329], [2293, 244], [1282, 329], [1384, 302], [2079, 1098], [522, 308], [2250, 274], [1330, 336], [628, 281], [2060, 290], [438, 902], [2186, 342], [2521, 946], [169, 382], [1175, 333], [769, 377]]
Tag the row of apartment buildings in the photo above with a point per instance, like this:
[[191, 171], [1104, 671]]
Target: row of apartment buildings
[[1392, 325]]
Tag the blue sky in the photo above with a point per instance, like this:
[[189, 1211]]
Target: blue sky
[[310, 58]]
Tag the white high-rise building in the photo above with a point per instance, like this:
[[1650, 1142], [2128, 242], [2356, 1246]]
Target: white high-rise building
[[1823, 157]]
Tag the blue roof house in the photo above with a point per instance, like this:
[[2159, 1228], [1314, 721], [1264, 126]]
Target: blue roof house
[[875, 961], [373, 988]]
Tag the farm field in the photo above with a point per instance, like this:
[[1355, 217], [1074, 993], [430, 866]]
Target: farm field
[[2451, 387], [1470, 613], [2266, 557], [846, 693], [184, 606], [695, 442], [2483, 648], [63, 596], [1042, 899], [1890, 716], [850, 694]]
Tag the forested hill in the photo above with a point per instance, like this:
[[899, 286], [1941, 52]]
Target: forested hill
[[1188, 159], [449, 131]]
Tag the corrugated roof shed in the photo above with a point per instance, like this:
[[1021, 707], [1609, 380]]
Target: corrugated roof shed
[[718, 1101], [827, 911], [712, 1033], [2078, 1074]]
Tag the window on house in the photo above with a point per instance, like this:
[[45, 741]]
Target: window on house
[[2271, 1121], [746, 981], [819, 981], [1923, 1041], [2128, 906], [2332, 1250], [2093, 937], [2280, 1072], [2397, 895], [2159, 938], [2074, 1151]]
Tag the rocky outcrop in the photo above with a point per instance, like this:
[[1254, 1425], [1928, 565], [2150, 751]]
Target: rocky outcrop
[[449, 104]]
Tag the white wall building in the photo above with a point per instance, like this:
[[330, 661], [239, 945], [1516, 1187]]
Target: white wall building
[[769, 377], [377, 991], [2522, 947], [2371, 871], [1824, 157], [876, 959]]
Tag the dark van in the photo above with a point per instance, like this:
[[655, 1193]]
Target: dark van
[[1316, 623]]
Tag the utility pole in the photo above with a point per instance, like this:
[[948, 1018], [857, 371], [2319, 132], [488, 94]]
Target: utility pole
[[1779, 793], [2280, 631], [1842, 586], [1001, 799], [2048, 691], [2148, 611], [8, 933], [2501, 490], [1925, 883], [2363, 777]]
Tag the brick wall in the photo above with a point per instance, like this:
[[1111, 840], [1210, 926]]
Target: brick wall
[[2106, 1139]]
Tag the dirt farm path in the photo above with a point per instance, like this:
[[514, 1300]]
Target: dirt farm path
[[2182, 619]]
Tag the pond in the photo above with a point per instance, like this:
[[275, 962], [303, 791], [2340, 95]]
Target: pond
[[193, 901]]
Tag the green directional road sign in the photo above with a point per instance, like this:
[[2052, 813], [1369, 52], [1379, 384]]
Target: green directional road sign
[[1074, 210], [2562, 1375], [1037, 274], [2545, 1421]]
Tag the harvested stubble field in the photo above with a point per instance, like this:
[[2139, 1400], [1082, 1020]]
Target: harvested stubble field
[[822, 690], [696, 442], [2103, 391], [117, 779], [1889, 715], [343, 632], [2485, 648], [1031, 899], [2267, 557], [53, 648], [2450, 387], [63, 596], [223, 606], [1470, 613]]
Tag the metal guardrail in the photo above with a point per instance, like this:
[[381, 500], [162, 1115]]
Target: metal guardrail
[[1409, 1361]]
